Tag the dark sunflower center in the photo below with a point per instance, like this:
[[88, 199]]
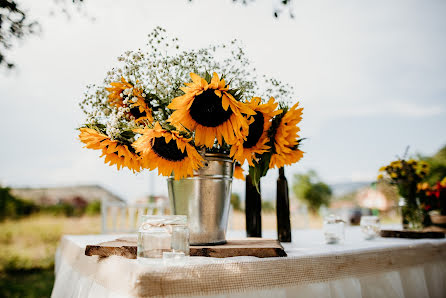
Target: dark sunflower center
[[136, 113], [169, 150], [208, 111], [255, 131]]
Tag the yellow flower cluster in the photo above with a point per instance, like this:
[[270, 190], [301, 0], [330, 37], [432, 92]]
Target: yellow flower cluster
[[404, 169], [423, 186]]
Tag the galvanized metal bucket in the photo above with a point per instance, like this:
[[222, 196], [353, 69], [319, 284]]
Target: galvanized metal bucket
[[205, 199]]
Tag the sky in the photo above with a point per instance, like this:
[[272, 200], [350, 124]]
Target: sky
[[371, 76]]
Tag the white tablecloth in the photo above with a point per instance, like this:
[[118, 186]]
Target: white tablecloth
[[384, 267]]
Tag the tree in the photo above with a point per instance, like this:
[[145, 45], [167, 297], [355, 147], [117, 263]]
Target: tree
[[437, 164], [12, 207], [93, 208], [313, 192], [235, 202], [278, 8], [268, 206], [15, 25]]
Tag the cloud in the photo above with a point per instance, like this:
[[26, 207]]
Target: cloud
[[393, 108]]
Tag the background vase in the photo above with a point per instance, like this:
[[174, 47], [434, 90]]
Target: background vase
[[438, 220], [205, 199], [411, 214], [283, 208], [253, 209]]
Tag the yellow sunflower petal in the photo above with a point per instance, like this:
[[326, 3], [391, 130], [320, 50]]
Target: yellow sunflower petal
[[225, 102]]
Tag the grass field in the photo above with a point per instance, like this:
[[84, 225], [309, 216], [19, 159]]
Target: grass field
[[31, 242], [27, 283], [27, 252]]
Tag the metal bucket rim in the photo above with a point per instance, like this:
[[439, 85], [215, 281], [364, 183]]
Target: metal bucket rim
[[202, 177], [217, 156], [209, 157]]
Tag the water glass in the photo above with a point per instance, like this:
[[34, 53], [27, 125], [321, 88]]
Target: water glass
[[163, 235], [370, 227], [333, 229]]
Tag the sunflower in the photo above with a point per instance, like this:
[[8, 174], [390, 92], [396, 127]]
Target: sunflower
[[168, 151], [211, 110], [116, 92], [141, 111], [115, 153], [238, 172], [257, 133], [138, 104], [286, 139]]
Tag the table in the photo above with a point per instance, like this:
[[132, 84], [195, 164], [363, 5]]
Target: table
[[383, 267]]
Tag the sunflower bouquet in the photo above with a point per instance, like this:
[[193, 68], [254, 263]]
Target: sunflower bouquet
[[165, 111]]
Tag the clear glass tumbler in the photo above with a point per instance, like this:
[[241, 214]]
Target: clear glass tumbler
[[333, 229], [163, 235], [370, 227]]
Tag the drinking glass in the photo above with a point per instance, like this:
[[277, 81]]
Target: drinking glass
[[163, 236], [370, 227], [333, 229]]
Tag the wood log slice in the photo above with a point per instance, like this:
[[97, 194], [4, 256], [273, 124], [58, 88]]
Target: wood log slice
[[411, 234], [256, 247]]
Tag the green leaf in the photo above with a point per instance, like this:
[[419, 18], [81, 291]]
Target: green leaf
[[265, 163], [254, 172], [260, 169], [208, 77], [128, 134]]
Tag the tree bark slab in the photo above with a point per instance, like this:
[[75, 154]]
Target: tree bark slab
[[411, 234], [256, 247]]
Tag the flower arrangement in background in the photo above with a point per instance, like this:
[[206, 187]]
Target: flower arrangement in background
[[406, 175], [163, 110], [433, 197]]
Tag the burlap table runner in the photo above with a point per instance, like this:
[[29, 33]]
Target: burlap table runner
[[237, 275]]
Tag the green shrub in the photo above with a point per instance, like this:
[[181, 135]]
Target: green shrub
[[27, 283], [235, 202], [93, 208], [268, 206], [59, 209], [311, 191], [12, 207]]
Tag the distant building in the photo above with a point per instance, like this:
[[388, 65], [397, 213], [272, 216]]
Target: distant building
[[373, 199], [366, 197], [152, 199], [160, 201], [78, 196], [343, 204]]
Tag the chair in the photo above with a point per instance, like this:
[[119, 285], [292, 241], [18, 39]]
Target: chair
[[121, 217]]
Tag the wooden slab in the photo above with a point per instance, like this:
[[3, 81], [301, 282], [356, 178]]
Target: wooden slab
[[124, 247], [411, 234], [256, 247]]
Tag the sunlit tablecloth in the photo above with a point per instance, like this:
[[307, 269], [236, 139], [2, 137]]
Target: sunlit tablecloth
[[384, 267]]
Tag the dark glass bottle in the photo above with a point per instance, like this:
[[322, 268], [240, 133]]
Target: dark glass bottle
[[283, 208], [253, 209]]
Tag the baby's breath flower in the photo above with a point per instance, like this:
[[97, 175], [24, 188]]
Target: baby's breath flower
[[161, 70]]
